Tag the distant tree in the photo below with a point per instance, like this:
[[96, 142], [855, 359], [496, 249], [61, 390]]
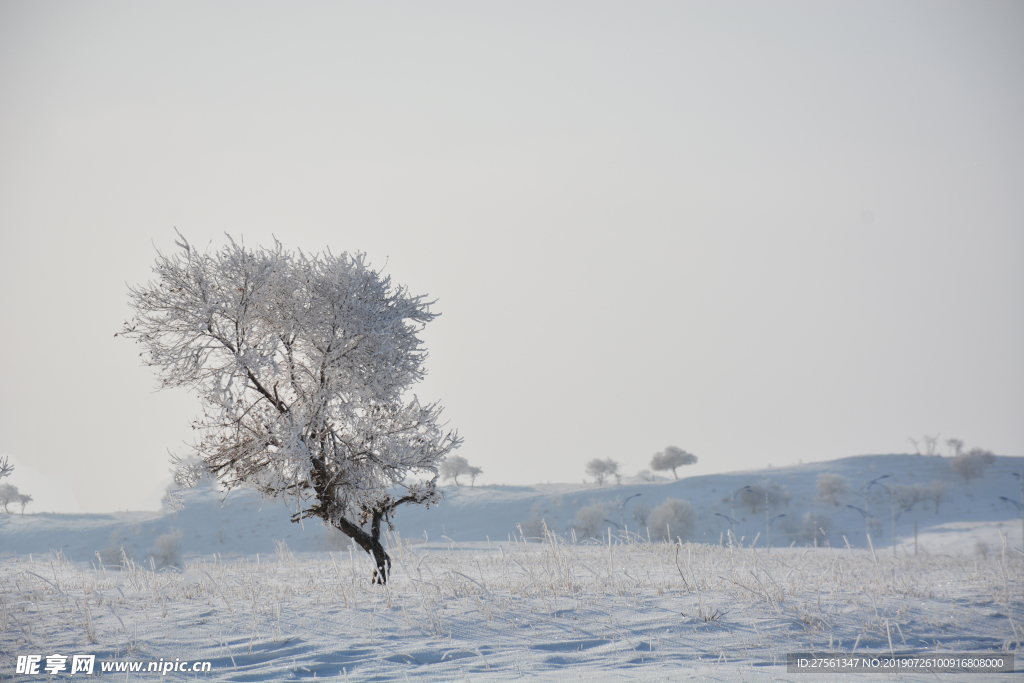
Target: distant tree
[[673, 518], [956, 446], [5, 467], [972, 463], [455, 466], [755, 496], [23, 500], [670, 459], [907, 496], [601, 470], [938, 493], [640, 513], [9, 494], [832, 487], [590, 520], [930, 444]]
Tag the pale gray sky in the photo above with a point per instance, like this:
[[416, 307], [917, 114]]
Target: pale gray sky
[[760, 231]]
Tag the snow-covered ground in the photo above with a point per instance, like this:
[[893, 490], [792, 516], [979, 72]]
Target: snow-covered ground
[[471, 597]]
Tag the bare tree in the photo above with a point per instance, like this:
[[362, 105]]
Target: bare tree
[[601, 470], [832, 487], [301, 363], [5, 467], [956, 446], [670, 459]]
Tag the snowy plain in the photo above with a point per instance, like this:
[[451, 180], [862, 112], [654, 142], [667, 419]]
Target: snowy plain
[[495, 583]]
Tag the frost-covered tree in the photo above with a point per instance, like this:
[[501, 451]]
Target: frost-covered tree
[[673, 518], [909, 495], [670, 459], [640, 513], [9, 494], [590, 519], [832, 487], [455, 466], [972, 463], [755, 497], [938, 493], [5, 467], [23, 500], [601, 470], [302, 364]]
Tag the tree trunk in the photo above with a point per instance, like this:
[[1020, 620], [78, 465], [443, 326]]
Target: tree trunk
[[370, 542]]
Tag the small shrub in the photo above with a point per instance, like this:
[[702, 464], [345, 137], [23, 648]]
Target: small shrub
[[832, 487], [673, 518], [590, 520], [640, 514], [167, 549], [816, 525], [113, 555]]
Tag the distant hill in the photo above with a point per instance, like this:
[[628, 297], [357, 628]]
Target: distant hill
[[972, 519]]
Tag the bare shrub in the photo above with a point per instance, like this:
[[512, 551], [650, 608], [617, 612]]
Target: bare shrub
[[972, 463], [832, 487], [673, 518]]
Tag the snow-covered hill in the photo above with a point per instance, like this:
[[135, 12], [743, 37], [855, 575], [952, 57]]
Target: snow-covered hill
[[971, 520]]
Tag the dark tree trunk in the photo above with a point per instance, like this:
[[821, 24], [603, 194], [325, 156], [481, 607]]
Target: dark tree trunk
[[370, 542]]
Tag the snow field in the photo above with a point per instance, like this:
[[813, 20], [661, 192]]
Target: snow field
[[622, 609]]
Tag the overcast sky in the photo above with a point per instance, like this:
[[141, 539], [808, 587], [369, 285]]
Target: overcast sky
[[763, 232]]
